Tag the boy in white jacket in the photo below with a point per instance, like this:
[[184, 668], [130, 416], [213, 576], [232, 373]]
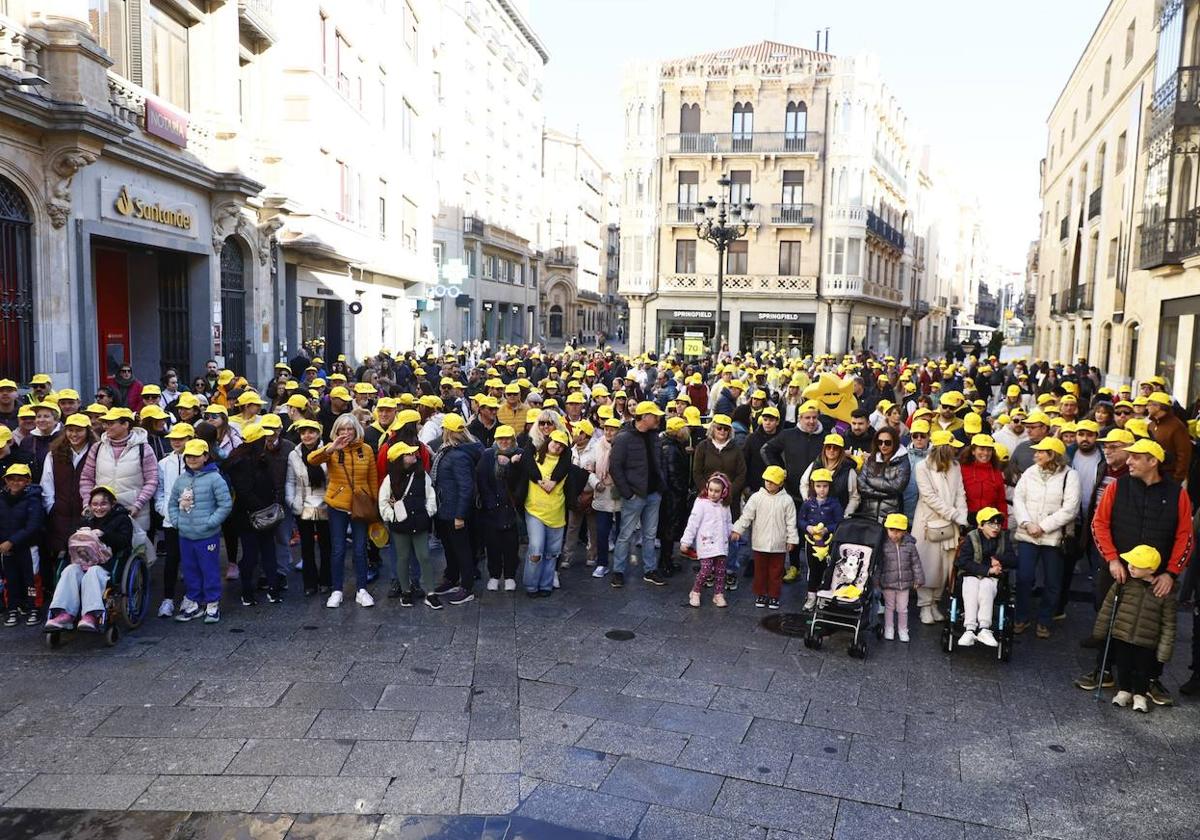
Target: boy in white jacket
[[771, 516], [170, 467]]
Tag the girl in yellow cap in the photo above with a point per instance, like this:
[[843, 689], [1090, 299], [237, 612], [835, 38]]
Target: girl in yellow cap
[[900, 572]]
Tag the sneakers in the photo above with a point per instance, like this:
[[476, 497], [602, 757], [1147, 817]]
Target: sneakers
[[1043, 632], [274, 596], [791, 574], [231, 572], [937, 614], [1159, 694], [89, 623], [590, 562], [598, 572], [510, 585], [985, 637], [493, 585], [693, 599], [444, 587], [1140, 703], [363, 598], [731, 582], [772, 603], [433, 601], [654, 578], [927, 616], [407, 599], [335, 599], [565, 563], [556, 584], [760, 601], [1123, 699], [212, 613], [166, 609], [1088, 681], [810, 601], [889, 634], [904, 635], [617, 581], [719, 600], [395, 590], [460, 596], [32, 619], [1059, 615], [63, 621], [967, 639], [248, 601], [188, 610], [12, 619]]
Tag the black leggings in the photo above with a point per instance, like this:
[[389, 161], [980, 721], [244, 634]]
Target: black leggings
[[460, 557], [314, 535], [503, 552]]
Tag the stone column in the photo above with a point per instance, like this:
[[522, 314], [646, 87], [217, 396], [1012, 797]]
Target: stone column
[[839, 328], [637, 321]]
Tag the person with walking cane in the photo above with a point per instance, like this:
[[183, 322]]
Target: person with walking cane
[[1143, 507]]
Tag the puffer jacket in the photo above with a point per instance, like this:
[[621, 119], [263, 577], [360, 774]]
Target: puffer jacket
[[453, 476], [900, 566], [673, 467], [299, 493], [21, 518], [984, 486], [1048, 500], [730, 460], [708, 528], [630, 463], [211, 503], [975, 553], [419, 501], [772, 520], [350, 469], [844, 487], [881, 486], [1142, 618]]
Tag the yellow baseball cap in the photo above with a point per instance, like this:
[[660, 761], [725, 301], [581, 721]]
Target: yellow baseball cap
[[987, 514], [834, 439], [1160, 397], [973, 424], [821, 474], [1088, 426], [721, 420], [1118, 436], [1143, 557], [83, 422], [195, 447], [532, 415], [454, 423], [179, 431], [215, 408], [1050, 444], [984, 441], [896, 520], [1013, 390], [586, 427], [1145, 446], [339, 393], [252, 432], [770, 411], [944, 438], [18, 469], [152, 412], [647, 407], [39, 379], [398, 449], [919, 427], [674, 424], [1037, 417], [560, 436], [505, 431], [612, 423], [271, 421], [774, 474], [119, 413]]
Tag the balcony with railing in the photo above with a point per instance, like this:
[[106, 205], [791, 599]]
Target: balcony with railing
[[1094, 201], [746, 142], [792, 215], [854, 214], [562, 256], [473, 226], [20, 51], [257, 19], [127, 103], [772, 285], [1168, 242], [857, 286], [889, 169], [680, 215], [877, 226]]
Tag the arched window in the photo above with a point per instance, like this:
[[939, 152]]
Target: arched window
[[1105, 346], [1184, 203], [16, 283], [556, 321], [795, 127], [1131, 342], [743, 127], [641, 121], [233, 305]]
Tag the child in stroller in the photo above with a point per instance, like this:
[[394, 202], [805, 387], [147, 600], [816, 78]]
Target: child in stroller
[[107, 532], [848, 597]]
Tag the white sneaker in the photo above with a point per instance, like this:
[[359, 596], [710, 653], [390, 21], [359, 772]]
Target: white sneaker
[[985, 637], [927, 616], [967, 639], [493, 584], [363, 598], [904, 635], [600, 571], [889, 633], [556, 580], [810, 601], [510, 585], [166, 609], [1141, 704], [1122, 698], [938, 615], [335, 599]]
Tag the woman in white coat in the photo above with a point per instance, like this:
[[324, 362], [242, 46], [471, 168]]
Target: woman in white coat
[[1045, 504], [941, 512]]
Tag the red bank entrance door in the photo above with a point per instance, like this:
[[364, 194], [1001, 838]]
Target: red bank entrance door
[[112, 311]]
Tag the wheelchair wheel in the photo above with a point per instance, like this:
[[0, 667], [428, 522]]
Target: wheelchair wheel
[[53, 639], [948, 640], [111, 634], [858, 650], [136, 591]]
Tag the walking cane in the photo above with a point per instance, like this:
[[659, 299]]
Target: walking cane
[[1112, 619]]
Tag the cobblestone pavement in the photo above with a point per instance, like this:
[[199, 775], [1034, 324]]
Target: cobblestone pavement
[[702, 725]]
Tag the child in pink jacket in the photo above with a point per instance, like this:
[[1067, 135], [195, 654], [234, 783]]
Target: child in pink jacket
[[708, 530]]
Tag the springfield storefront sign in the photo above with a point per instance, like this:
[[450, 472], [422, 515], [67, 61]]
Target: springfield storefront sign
[[780, 316], [131, 204]]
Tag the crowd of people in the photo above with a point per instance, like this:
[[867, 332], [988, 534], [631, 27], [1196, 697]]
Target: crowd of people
[[516, 464]]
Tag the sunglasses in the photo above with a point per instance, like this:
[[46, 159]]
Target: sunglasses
[[1124, 411], [886, 442], [545, 422], [916, 435]]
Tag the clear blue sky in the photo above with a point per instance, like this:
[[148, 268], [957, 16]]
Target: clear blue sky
[[978, 79]]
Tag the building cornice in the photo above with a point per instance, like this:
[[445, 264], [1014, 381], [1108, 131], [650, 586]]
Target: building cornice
[[518, 20]]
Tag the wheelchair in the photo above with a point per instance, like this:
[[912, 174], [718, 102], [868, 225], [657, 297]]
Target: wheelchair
[[1003, 611], [126, 596]]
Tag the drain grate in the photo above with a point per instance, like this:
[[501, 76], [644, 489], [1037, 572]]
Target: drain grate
[[786, 624]]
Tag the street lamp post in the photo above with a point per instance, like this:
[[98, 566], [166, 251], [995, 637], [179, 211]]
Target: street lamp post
[[731, 223]]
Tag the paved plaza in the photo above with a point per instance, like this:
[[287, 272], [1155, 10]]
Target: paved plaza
[[696, 724]]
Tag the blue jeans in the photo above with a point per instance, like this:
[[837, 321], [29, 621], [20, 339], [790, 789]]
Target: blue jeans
[[634, 510], [546, 543], [739, 553], [604, 526], [339, 523], [1051, 559]]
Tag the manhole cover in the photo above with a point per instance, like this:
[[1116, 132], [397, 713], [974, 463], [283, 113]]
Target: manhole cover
[[620, 635], [786, 624], [1058, 748]]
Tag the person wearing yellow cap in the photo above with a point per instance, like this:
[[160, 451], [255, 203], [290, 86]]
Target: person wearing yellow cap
[[1171, 434], [940, 513], [1045, 507], [983, 557], [900, 572], [770, 516], [46, 429], [305, 495], [818, 518], [407, 505], [676, 481], [8, 403], [539, 487], [634, 468], [20, 531], [1138, 627], [453, 472], [512, 411], [498, 515], [124, 460]]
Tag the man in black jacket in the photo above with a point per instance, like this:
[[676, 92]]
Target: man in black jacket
[[796, 448], [633, 464]]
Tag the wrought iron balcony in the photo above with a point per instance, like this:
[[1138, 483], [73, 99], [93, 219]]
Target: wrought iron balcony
[[1187, 102], [473, 226], [746, 142], [1167, 242], [1094, 202], [792, 214], [883, 230]]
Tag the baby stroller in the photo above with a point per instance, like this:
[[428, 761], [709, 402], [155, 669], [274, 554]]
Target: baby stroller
[[1003, 610], [848, 598], [126, 595]]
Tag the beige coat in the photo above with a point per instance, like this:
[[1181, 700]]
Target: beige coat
[[940, 499]]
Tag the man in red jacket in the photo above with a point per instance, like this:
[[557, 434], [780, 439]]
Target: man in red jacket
[[1142, 508]]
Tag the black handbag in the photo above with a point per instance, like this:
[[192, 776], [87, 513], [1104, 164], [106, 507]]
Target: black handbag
[[266, 518]]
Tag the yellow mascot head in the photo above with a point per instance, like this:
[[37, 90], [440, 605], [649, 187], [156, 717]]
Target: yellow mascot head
[[834, 395]]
